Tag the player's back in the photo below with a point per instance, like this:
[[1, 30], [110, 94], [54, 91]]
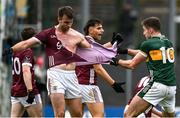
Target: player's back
[[19, 59], [160, 59]]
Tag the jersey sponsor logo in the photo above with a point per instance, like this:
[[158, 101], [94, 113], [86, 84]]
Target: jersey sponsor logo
[[156, 55], [59, 45]]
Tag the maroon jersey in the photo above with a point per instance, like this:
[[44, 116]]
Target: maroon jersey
[[18, 88], [140, 85], [86, 75], [55, 51]]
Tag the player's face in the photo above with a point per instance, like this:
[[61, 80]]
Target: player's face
[[65, 23], [146, 32], [96, 31]]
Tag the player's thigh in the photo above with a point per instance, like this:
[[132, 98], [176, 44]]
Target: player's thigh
[[96, 109], [35, 110], [168, 103], [58, 102], [17, 109], [74, 105], [136, 107]]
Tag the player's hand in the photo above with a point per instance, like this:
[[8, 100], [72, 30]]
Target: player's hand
[[117, 86], [114, 61], [7, 51], [31, 97], [116, 37]]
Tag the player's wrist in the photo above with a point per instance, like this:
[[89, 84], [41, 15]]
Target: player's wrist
[[29, 90]]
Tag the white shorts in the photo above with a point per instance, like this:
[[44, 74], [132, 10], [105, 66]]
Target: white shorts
[[161, 94], [62, 81], [22, 100], [90, 94]]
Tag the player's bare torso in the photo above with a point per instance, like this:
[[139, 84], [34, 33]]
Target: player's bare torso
[[70, 41]]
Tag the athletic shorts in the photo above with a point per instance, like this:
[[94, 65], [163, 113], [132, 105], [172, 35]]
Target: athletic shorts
[[157, 93], [91, 94], [62, 81], [22, 100]]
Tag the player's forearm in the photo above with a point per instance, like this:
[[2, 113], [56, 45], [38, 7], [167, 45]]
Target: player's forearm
[[126, 64], [103, 73], [20, 46], [27, 79], [132, 52]]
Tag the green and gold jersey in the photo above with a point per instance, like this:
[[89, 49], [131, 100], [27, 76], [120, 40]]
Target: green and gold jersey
[[160, 59]]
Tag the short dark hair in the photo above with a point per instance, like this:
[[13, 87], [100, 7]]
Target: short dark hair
[[66, 10], [91, 23], [27, 33], [152, 22]]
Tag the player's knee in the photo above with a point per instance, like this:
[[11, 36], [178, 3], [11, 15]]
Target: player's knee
[[60, 114], [98, 115], [126, 114]]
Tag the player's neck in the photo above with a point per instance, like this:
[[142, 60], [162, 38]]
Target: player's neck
[[156, 34]]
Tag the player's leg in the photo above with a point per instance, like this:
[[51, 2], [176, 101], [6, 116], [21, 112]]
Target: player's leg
[[35, 110], [92, 97], [58, 104], [136, 107], [17, 108], [96, 109], [168, 103], [56, 91], [73, 94], [75, 107]]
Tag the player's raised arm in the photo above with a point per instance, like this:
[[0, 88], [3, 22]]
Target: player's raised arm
[[103, 73], [25, 44], [21, 46]]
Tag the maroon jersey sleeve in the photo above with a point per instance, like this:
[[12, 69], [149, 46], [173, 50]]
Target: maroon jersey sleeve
[[43, 36], [27, 58]]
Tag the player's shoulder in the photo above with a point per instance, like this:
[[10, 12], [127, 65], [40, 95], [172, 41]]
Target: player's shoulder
[[76, 33], [27, 51], [145, 43], [49, 30]]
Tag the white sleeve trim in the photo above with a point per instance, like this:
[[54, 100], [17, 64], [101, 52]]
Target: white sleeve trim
[[142, 53], [28, 64]]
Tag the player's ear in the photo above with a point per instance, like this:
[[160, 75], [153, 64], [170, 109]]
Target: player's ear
[[151, 30]]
